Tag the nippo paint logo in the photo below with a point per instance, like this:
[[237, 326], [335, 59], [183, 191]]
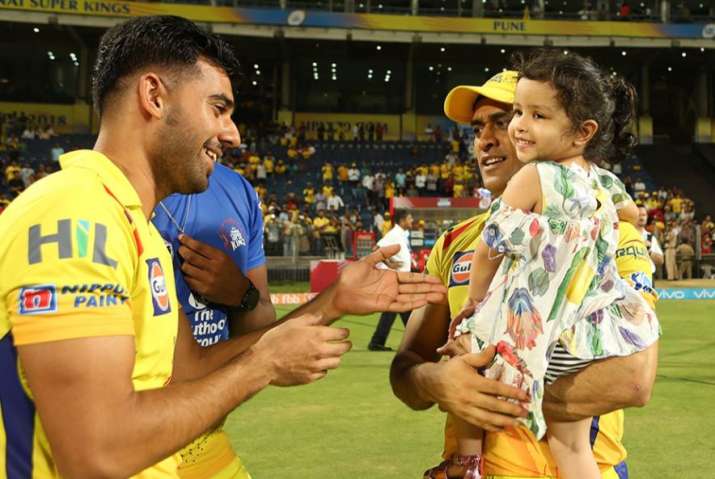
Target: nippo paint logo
[[38, 299], [157, 285], [461, 268]]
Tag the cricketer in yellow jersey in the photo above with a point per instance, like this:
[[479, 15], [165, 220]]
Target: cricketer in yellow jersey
[[420, 380]]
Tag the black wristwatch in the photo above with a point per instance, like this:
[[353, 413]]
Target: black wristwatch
[[249, 301]]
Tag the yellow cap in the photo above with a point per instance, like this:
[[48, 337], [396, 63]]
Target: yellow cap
[[459, 104]]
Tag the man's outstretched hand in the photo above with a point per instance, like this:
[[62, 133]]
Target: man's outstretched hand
[[361, 288]]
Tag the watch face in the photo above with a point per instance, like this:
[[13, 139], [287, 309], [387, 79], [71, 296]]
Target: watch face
[[250, 300]]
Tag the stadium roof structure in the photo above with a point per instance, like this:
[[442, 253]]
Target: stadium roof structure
[[261, 22]]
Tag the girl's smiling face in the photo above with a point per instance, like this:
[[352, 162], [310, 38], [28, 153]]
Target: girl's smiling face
[[540, 128]]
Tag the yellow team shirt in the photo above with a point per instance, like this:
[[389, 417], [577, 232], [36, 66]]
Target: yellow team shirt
[[389, 191], [309, 196], [343, 173], [85, 262], [327, 172], [676, 205], [434, 169], [319, 222], [444, 171], [458, 190], [268, 165], [516, 452]]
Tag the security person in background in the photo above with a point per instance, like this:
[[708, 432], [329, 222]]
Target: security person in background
[[402, 261]]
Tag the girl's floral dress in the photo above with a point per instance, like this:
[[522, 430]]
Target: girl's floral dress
[[558, 282]]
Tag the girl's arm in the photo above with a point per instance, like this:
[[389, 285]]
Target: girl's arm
[[522, 192]]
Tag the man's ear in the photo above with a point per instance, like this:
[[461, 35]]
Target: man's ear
[[152, 94], [584, 134]]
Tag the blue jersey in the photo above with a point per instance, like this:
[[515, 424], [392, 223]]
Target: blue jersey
[[226, 216]]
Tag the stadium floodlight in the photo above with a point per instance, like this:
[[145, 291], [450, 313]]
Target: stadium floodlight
[[36, 30], [449, 69], [670, 69], [258, 72], [486, 69], [624, 53], [333, 65], [315, 64], [431, 68], [255, 65], [389, 72], [442, 49], [702, 49], [255, 83], [378, 48], [566, 52], [502, 51], [684, 54]]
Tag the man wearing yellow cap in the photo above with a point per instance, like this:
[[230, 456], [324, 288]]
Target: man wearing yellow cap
[[420, 379]]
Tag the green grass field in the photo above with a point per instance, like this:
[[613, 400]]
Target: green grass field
[[349, 425]]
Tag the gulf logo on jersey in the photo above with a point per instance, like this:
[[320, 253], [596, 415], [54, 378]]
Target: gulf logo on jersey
[[157, 285], [461, 266], [38, 299]]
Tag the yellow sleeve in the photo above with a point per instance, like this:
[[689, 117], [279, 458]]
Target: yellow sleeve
[[634, 263], [434, 261], [72, 264]]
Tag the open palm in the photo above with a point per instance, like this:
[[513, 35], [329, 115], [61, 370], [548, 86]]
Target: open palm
[[363, 289]]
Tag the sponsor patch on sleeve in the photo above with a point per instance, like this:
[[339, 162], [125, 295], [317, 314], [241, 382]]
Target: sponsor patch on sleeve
[[461, 267], [38, 299], [157, 284]]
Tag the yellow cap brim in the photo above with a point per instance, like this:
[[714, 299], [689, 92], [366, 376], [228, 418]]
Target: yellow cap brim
[[459, 103]]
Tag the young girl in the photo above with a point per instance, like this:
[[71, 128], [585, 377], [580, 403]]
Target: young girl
[[543, 278]]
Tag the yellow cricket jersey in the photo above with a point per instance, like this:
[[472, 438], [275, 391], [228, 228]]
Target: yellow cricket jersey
[[516, 453], [79, 259]]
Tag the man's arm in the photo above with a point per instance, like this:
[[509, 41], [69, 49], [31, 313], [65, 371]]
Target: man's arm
[[264, 313], [603, 386], [420, 380], [99, 426], [360, 289]]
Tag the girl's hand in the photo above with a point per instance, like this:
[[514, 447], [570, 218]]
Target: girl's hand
[[458, 346]]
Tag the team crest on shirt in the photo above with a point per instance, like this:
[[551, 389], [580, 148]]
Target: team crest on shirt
[[231, 234], [157, 284], [461, 267], [38, 299]]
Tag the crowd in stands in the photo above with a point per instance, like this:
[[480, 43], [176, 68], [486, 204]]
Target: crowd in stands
[[672, 220], [324, 217], [321, 208]]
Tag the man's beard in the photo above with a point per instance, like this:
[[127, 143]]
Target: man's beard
[[177, 165]]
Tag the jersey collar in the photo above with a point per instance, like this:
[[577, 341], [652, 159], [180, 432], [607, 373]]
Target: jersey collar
[[109, 173]]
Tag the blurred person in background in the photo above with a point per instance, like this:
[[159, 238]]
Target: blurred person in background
[[671, 243], [651, 242], [402, 261], [685, 255]]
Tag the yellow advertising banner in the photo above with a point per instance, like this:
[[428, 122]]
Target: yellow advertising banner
[[317, 19], [74, 118], [345, 122]]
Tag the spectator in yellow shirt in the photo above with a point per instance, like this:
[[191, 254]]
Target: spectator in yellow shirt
[[676, 203], [458, 190], [342, 173], [328, 173], [269, 164], [281, 167], [309, 194]]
